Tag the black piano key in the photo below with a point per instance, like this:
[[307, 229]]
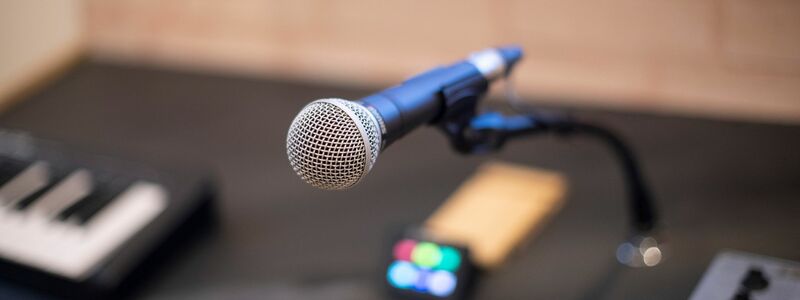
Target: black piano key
[[105, 191], [10, 168]]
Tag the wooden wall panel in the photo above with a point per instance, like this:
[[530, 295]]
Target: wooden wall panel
[[724, 58], [761, 36]]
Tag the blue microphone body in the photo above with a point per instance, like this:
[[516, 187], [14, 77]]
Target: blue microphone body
[[438, 93]]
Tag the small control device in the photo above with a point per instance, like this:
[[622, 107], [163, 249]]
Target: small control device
[[423, 268], [742, 276]]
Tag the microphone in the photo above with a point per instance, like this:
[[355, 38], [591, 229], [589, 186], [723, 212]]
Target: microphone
[[333, 143]]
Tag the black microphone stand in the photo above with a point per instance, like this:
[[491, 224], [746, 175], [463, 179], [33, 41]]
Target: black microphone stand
[[474, 134]]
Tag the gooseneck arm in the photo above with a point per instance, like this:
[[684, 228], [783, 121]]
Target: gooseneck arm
[[486, 132]]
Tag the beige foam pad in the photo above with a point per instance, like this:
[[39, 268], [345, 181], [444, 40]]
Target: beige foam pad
[[497, 208]]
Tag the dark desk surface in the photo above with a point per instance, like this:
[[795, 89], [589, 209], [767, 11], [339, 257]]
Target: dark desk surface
[[719, 184]]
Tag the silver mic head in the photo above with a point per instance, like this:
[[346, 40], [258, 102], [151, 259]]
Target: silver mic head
[[333, 143]]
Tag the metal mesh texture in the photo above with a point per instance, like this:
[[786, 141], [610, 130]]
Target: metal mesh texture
[[333, 143]]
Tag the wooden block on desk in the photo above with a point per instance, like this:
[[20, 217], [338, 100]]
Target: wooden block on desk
[[498, 208]]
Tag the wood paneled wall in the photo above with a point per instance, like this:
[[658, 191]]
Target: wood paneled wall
[[724, 58]]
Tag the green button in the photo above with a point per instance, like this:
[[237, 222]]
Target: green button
[[426, 255]]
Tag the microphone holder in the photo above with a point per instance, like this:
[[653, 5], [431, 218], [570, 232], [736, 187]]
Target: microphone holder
[[475, 134]]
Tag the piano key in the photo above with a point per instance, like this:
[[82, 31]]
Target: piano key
[[10, 167], [33, 178], [72, 251], [56, 176], [105, 191], [64, 194]]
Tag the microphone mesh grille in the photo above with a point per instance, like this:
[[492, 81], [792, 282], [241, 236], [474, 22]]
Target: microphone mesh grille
[[333, 143]]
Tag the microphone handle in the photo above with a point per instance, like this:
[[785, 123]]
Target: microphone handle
[[424, 98]]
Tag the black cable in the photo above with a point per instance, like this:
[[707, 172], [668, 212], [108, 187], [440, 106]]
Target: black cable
[[490, 131], [643, 211]]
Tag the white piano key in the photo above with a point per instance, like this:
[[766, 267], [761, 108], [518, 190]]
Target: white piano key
[[74, 251], [27, 182], [73, 188]]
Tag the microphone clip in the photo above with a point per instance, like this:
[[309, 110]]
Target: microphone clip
[[489, 131], [473, 133]]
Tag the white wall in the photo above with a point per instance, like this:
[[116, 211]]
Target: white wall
[[37, 37]]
